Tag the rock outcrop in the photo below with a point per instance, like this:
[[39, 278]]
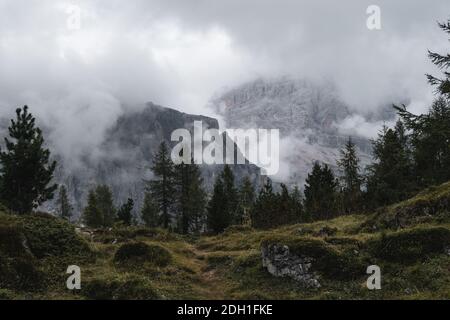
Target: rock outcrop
[[280, 262]]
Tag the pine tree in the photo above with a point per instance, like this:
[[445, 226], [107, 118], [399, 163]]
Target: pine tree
[[25, 169], [266, 207], [218, 218], [246, 201], [351, 178], [105, 205], [100, 210], [297, 201], [288, 213], [197, 200], [92, 216], [231, 193], [191, 197], [442, 62], [389, 178], [223, 206], [430, 141], [320, 193], [64, 207], [162, 187], [125, 213], [150, 211]]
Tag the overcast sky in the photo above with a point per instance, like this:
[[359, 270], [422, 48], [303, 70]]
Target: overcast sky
[[179, 53]]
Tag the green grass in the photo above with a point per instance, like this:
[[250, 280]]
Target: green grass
[[141, 263]]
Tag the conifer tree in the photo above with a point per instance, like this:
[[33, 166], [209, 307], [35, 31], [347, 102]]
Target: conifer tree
[[197, 201], [246, 201], [105, 204], [266, 207], [297, 201], [320, 193], [223, 205], [443, 63], [25, 169], [92, 216], [231, 193], [191, 197], [218, 218], [430, 141], [162, 187], [351, 178], [125, 212], [150, 211], [288, 213], [389, 176], [64, 207], [100, 210]]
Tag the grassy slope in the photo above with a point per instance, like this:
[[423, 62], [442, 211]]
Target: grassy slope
[[413, 264]]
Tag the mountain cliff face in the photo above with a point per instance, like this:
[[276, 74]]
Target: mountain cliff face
[[123, 160], [308, 117]]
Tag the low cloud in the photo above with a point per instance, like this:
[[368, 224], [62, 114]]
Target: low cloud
[[179, 53]]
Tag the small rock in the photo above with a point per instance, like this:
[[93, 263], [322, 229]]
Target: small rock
[[447, 251], [326, 232]]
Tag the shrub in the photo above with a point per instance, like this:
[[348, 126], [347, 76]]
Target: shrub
[[6, 294], [13, 242], [20, 274], [238, 229], [19, 269], [48, 236], [142, 252], [116, 288], [410, 245], [218, 258]]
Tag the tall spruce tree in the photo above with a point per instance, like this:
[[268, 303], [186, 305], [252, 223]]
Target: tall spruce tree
[[266, 207], [64, 206], [125, 212], [443, 63], [321, 193], [430, 133], [162, 187], [231, 193], [223, 205], [218, 218], [350, 177], [92, 216], [289, 212], [197, 201], [150, 211], [25, 169], [191, 199], [297, 201], [100, 210], [389, 177], [246, 201], [105, 204], [430, 141]]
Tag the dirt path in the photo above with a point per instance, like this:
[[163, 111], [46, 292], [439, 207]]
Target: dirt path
[[211, 285]]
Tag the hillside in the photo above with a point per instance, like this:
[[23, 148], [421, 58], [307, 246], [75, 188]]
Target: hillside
[[140, 263]]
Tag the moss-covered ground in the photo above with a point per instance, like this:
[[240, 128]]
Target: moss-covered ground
[[410, 241]]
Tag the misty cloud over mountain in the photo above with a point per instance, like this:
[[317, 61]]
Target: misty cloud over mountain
[[180, 54]]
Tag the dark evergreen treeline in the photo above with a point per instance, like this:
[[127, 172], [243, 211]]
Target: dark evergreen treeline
[[412, 155]]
